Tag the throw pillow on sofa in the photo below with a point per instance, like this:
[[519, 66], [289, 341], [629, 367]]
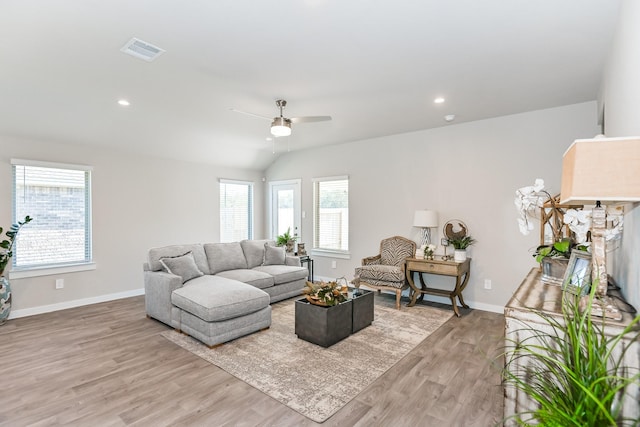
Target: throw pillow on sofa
[[273, 255], [183, 266]]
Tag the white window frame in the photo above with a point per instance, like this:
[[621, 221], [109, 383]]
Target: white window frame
[[318, 251], [251, 186], [45, 269], [296, 184]]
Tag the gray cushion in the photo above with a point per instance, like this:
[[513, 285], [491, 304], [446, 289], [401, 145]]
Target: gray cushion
[[224, 256], [183, 266], [176, 250], [254, 251], [214, 298], [273, 255], [284, 273], [252, 277]]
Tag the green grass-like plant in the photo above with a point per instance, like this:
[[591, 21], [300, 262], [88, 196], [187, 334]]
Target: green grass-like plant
[[573, 371]]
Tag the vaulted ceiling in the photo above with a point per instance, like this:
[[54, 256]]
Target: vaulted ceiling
[[375, 66]]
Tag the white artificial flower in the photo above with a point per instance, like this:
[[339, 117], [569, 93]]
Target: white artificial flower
[[579, 221], [616, 227], [538, 185], [525, 191], [575, 217], [580, 231], [518, 202], [525, 226]]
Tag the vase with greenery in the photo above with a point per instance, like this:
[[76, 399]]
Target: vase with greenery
[[571, 369], [287, 240], [554, 259], [460, 245], [6, 252]]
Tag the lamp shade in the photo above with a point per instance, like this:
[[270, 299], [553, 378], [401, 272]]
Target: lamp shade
[[281, 126], [601, 169], [425, 219]]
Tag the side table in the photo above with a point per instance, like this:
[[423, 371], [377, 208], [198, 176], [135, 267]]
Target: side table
[[306, 259], [459, 270]]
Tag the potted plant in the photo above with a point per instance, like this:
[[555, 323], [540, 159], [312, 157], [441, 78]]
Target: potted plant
[[6, 252], [568, 225], [287, 240], [573, 370], [460, 245], [554, 259]]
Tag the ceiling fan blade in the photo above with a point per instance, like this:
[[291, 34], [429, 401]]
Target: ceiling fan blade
[[310, 119], [251, 114]]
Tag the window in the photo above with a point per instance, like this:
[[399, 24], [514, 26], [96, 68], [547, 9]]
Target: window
[[58, 198], [331, 215], [236, 210], [285, 207]]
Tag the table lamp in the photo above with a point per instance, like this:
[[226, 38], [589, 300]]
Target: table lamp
[[426, 220], [596, 171]]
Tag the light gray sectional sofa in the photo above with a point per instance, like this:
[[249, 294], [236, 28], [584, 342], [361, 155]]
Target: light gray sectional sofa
[[216, 292]]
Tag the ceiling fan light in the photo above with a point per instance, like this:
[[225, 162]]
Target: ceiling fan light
[[281, 127]]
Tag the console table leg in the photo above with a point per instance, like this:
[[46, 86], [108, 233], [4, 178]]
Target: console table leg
[[423, 286], [460, 288], [414, 291], [455, 306], [462, 303]]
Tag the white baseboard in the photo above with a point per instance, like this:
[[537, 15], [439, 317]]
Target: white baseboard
[[443, 300], [74, 303], [475, 305]]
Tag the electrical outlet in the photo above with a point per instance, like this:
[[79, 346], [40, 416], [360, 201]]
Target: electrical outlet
[[333, 264], [59, 283], [487, 283]]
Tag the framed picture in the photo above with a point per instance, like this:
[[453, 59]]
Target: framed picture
[[577, 278]]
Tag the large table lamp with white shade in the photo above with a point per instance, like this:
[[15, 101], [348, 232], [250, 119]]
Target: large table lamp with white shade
[[601, 171], [426, 220]]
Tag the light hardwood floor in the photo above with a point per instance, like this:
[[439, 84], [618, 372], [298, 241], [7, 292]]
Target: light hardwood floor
[[107, 365]]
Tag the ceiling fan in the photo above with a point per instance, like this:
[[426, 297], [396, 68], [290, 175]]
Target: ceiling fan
[[281, 126]]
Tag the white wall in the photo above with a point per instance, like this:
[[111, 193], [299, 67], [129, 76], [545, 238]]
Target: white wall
[[621, 97], [138, 203], [468, 171]]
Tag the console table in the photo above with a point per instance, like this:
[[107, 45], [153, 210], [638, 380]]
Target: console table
[[459, 270], [534, 296]]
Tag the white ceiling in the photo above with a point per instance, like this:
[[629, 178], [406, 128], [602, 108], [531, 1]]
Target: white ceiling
[[375, 66]]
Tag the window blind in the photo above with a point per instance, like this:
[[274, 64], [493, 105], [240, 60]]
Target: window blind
[[58, 199], [236, 210], [331, 214]]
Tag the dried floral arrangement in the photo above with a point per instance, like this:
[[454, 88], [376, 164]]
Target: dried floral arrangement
[[325, 294]]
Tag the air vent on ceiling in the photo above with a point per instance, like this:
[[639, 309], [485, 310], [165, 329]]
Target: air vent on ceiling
[[141, 49]]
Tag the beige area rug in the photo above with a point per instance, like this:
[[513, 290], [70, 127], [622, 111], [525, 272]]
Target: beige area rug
[[298, 373]]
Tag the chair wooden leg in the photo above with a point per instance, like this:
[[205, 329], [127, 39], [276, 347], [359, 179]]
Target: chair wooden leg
[[398, 294]]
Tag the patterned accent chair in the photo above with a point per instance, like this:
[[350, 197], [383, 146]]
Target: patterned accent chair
[[386, 270]]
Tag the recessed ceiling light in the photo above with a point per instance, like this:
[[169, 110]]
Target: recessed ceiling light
[[124, 102], [269, 138], [449, 117], [439, 100]]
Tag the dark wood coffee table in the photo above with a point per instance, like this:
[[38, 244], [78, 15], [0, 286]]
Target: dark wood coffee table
[[326, 326]]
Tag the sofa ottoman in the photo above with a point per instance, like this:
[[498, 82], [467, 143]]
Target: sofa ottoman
[[215, 309]]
